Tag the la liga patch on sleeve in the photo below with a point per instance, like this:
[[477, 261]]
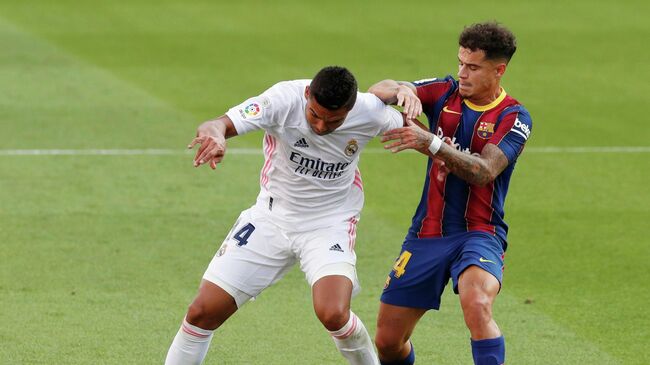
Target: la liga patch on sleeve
[[254, 109], [251, 111]]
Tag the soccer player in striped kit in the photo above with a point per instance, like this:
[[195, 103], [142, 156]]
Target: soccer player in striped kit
[[477, 131], [310, 200]]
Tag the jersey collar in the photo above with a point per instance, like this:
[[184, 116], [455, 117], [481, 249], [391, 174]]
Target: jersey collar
[[482, 108]]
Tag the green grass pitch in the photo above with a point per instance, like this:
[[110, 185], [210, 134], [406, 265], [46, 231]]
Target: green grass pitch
[[100, 255]]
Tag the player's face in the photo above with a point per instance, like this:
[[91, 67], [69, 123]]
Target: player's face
[[322, 120], [478, 78]]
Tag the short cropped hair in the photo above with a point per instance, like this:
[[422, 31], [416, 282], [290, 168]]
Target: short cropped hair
[[334, 87], [495, 40]]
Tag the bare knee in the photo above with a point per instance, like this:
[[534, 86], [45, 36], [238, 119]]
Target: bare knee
[[333, 318], [390, 346], [477, 310], [331, 297], [478, 289], [197, 313], [211, 308], [395, 325]]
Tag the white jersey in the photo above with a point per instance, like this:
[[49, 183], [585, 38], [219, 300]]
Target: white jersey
[[310, 181]]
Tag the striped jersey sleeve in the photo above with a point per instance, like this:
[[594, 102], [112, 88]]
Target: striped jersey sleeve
[[429, 91], [513, 131]]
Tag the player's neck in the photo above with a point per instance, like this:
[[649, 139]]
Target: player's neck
[[486, 98]]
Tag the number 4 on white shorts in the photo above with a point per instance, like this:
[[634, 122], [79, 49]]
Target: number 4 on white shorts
[[243, 234]]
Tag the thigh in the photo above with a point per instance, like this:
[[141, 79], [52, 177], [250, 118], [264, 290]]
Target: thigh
[[332, 291], [420, 273], [477, 284], [328, 251], [254, 255], [484, 251]]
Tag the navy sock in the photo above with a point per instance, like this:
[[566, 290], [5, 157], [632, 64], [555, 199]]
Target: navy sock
[[489, 352], [410, 359]]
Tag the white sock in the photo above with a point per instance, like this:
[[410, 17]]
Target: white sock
[[190, 345], [354, 342]]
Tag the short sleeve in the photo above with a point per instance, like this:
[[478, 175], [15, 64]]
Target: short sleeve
[[383, 117], [392, 119], [260, 112], [429, 91], [513, 133]]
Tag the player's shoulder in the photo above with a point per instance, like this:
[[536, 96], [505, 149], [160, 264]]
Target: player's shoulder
[[369, 108], [515, 108], [447, 81], [433, 89], [516, 113], [289, 90], [293, 84], [370, 116], [368, 102], [284, 97]]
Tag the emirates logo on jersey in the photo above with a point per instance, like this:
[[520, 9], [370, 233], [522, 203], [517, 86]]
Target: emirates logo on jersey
[[485, 130], [316, 167], [351, 148]]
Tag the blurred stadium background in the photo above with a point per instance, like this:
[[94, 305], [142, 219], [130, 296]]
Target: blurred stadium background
[[101, 254]]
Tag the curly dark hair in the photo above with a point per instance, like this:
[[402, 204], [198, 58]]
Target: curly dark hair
[[495, 40], [334, 87]]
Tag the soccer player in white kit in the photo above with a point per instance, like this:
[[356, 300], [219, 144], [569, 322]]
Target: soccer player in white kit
[[311, 195]]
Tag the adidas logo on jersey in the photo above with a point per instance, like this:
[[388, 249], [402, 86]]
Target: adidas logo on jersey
[[336, 247], [301, 143]]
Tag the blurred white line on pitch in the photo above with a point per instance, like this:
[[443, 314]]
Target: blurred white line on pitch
[[258, 151]]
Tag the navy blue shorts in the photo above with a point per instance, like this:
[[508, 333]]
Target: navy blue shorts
[[425, 265]]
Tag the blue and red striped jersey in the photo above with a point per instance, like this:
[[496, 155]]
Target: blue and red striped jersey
[[453, 205]]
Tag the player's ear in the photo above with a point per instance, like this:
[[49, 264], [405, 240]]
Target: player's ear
[[307, 92], [501, 69]]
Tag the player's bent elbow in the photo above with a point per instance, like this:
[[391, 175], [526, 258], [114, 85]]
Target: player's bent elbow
[[378, 87], [386, 92], [485, 176], [485, 180]]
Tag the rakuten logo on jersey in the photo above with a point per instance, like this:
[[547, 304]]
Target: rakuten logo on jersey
[[317, 168], [454, 144], [521, 128]]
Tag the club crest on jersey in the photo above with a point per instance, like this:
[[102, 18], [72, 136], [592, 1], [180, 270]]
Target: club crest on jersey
[[250, 111], [485, 130], [351, 148]]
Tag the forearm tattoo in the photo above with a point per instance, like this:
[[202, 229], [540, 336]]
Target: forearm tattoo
[[468, 167]]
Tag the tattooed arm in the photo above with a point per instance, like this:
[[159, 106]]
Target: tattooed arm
[[476, 170], [400, 93]]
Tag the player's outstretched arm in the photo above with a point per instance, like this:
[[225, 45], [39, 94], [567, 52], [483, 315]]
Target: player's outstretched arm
[[400, 93], [211, 136], [476, 170]]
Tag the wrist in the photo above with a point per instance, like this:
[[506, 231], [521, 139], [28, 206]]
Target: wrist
[[435, 145]]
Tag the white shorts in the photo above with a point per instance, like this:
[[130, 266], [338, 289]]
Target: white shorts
[[257, 253]]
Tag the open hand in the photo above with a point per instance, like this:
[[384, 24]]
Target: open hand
[[411, 136], [212, 150], [407, 99]]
